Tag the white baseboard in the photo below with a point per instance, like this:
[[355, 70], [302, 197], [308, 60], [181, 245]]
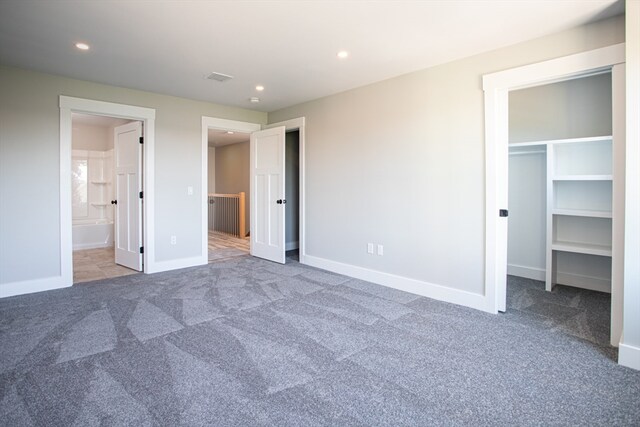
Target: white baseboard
[[84, 246], [430, 290], [629, 356], [31, 286], [569, 279], [291, 246], [175, 264], [527, 272], [584, 282]]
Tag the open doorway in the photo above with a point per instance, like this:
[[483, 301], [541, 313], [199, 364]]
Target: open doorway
[[228, 213], [292, 194], [144, 133], [94, 187], [559, 257], [293, 212], [565, 176]]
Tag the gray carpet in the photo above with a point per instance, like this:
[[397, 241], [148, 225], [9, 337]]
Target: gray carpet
[[246, 342]]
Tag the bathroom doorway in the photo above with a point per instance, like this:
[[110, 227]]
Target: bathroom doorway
[[93, 196]]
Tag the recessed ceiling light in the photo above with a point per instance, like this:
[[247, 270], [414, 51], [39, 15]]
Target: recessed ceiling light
[[82, 46], [254, 99], [229, 132], [343, 54], [259, 88]]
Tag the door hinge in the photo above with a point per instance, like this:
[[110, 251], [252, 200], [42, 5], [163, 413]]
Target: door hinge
[[141, 194], [504, 212], [142, 140], [141, 249]]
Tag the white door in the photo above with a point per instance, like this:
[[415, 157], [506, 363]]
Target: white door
[[267, 194], [128, 203]]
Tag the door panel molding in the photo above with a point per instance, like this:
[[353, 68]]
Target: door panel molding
[[267, 179], [128, 185]]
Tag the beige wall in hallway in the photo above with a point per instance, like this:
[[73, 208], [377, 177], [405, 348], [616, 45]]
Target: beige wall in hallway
[[232, 172]]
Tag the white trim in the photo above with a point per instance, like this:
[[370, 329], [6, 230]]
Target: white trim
[[84, 246], [526, 272], [629, 356], [585, 282], [496, 89], [617, 283], [555, 70], [147, 116], [175, 264], [299, 123], [31, 286], [222, 124], [429, 290], [66, 237]]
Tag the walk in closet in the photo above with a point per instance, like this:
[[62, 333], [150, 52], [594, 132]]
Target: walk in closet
[[561, 174]]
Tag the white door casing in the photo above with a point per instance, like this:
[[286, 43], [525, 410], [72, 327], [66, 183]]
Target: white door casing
[[267, 151], [128, 185]]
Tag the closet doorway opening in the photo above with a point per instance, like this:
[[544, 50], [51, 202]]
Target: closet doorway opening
[[106, 219], [560, 192], [577, 216]]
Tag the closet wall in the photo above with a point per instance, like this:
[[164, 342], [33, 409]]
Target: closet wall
[[570, 109], [292, 188]]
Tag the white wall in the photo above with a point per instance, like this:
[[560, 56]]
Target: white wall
[[401, 163], [30, 168], [570, 109], [232, 172], [90, 137], [527, 238]]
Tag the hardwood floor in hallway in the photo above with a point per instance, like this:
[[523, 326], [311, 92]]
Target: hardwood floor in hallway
[[223, 246]]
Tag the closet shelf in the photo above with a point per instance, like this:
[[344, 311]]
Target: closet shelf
[[582, 212], [562, 141], [581, 248], [583, 178]]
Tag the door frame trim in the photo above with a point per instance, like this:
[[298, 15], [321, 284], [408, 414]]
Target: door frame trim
[[69, 105]]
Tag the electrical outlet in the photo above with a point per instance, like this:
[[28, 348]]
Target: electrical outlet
[[370, 248], [380, 250], [174, 240]]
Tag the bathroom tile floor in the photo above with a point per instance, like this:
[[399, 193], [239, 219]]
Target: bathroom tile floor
[[95, 264]]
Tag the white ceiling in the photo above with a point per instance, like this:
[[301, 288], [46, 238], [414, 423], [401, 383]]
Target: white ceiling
[[218, 138], [289, 47], [99, 121]]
